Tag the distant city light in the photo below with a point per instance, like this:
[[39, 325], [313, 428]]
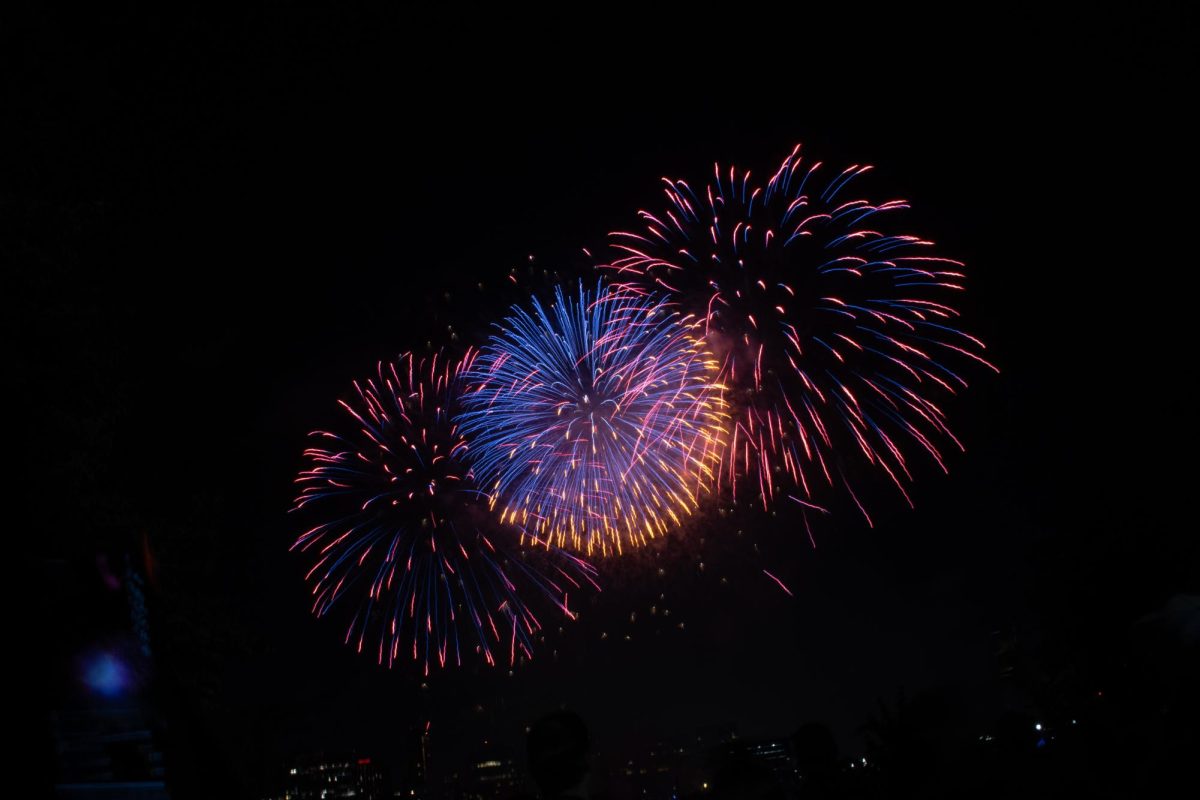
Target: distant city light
[[1037, 726], [106, 674]]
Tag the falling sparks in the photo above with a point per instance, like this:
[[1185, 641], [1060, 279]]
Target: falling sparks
[[407, 546], [835, 337], [596, 424]]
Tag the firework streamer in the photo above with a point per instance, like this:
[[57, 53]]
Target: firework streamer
[[838, 339], [597, 423], [403, 539]]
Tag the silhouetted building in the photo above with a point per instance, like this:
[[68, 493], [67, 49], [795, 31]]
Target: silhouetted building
[[492, 774], [414, 766], [658, 774], [325, 778], [754, 768], [104, 726], [105, 753], [773, 754]]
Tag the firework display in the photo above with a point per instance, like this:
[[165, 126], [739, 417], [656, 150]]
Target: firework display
[[598, 423], [835, 335], [774, 340], [406, 544]]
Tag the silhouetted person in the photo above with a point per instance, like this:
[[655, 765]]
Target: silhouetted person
[[557, 747]]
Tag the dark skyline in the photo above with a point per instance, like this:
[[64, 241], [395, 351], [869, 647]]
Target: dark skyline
[[217, 224]]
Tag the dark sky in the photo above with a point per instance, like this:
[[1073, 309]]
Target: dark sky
[[219, 223]]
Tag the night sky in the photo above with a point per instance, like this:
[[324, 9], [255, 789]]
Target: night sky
[[216, 224]]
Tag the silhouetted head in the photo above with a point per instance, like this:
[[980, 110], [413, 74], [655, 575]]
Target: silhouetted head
[[558, 752]]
